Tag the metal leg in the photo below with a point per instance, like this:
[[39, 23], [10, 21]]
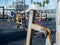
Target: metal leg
[[38, 28]]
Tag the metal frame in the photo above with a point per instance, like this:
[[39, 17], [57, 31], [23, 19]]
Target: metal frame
[[58, 23], [3, 11], [38, 28]]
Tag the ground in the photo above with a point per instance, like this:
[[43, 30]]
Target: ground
[[10, 35]]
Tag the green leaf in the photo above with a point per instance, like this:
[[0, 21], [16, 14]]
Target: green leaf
[[47, 1]]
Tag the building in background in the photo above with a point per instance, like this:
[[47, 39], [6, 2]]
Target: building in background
[[20, 6]]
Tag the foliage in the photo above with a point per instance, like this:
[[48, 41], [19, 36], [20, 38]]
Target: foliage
[[43, 3], [47, 1]]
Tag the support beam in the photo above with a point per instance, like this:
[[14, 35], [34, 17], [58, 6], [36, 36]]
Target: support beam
[[38, 28], [29, 28], [3, 12], [58, 24]]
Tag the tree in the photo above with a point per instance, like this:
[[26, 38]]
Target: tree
[[22, 2], [31, 1], [40, 4], [47, 1], [43, 3], [34, 2], [37, 2], [58, 0]]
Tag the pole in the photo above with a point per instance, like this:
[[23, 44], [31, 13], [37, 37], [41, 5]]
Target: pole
[[38, 28], [29, 38], [58, 23], [3, 12]]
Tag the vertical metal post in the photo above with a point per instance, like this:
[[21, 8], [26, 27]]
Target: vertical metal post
[[49, 40], [3, 12], [16, 6], [58, 24], [28, 41], [38, 28]]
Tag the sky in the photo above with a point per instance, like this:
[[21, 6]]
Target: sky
[[52, 4]]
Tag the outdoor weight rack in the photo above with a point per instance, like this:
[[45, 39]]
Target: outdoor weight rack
[[32, 26]]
